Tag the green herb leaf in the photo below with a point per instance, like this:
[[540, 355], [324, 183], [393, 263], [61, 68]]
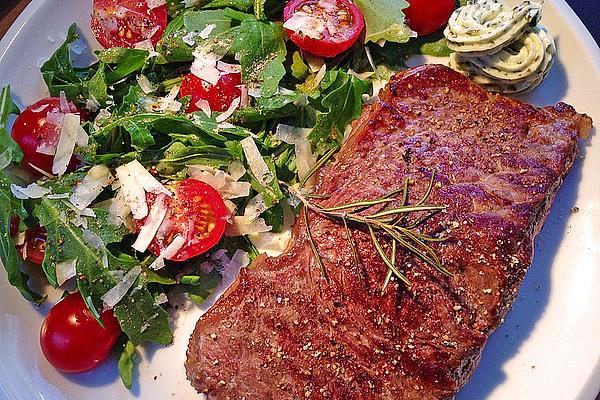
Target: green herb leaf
[[262, 51], [340, 102], [200, 286], [125, 363], [7, 144], [384, 20], [9, 258]]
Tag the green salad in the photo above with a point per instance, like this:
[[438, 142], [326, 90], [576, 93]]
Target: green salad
[[168, 162]]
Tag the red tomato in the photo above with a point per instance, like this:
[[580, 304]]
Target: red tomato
[[219, 96], [14, 226], [37, 129], [196, 211], [72, 340], [335, 25], [123, 23], [34, 248], [426, 16]]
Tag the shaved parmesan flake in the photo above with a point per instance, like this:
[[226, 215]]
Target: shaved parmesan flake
[[86, 191], [236, 169], [222, 182], [190, 38], [150, 227], [229, 68], [305, 159], [118, 211], [133, 192], [205, 67], [144, 45], [168, 103], [205, 33], [255, 207], [46, 148], [149, 182], [155, 3], [65, 270], [272, 244], [204, 105], [64, 103], [306, 24], [243, 225], [31, 191], [235, 103], [71, 133], [92, 104], [314, 63], [145, 84], [169, 252], [231, 269], [114, 295], [320, 75], [257, 164]]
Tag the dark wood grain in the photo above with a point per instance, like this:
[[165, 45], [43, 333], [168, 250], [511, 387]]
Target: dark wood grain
[[9, 10]]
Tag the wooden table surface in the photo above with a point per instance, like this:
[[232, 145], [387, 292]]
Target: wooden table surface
[[587, 10]]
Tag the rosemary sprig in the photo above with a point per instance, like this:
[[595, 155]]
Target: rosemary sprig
[[400, 224], [313, 246]]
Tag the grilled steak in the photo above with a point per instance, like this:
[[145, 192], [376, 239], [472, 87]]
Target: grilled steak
[[285, 330]]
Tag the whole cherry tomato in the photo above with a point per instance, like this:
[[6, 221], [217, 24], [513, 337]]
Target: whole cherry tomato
[[426, 16], [323, 28], [72, 340], [37, 130]]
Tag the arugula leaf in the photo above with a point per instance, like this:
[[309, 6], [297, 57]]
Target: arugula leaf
[[140, 318], [125, 362], [198, 20], [9, 258], [242, 5], [97, 86], [200, 286], [128, 62], [262, 52], [339, 103], [259, 9], [58, 72], [271, 193], [7, 144], [384, 20]]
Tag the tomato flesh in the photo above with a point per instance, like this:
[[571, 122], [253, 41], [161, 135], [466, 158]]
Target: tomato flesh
[[72, 340], [196, 211], [323, 28], [37, 130], [426, 16], [124, 23], [34, 248], [219, 96]]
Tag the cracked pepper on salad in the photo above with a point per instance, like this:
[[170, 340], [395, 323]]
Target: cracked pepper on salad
[[166, 163]]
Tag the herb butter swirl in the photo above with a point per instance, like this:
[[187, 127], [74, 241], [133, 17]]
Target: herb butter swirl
[[501, 48]]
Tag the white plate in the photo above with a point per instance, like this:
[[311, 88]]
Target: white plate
[[549, 345]]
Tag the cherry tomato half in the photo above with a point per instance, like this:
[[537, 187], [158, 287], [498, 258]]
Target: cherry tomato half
[[124, 23], [323, 27], [426, 16], [218, 96], [195, 211], [37, 130], [34, 248], [72, 340]]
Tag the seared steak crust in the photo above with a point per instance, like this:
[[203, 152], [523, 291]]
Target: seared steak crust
[[283, 331]]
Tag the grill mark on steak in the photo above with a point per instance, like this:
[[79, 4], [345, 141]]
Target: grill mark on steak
[[283, 332]]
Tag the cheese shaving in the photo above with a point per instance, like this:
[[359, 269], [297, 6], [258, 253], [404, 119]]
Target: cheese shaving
[[145, 84], [235, 103], [114, 295], [257, 164], [150, 228], [205, 33], [65, 270], [204, 67], [152, 4], [71, 133], [169, 252], [31, 191], [86, 191], [243, 225]]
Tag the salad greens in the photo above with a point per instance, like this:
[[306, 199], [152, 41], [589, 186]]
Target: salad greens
[[132, 117]]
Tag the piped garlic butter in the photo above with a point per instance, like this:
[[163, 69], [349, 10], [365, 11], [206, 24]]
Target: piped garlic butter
[[517, 68], [500, 48], [485, 26]]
